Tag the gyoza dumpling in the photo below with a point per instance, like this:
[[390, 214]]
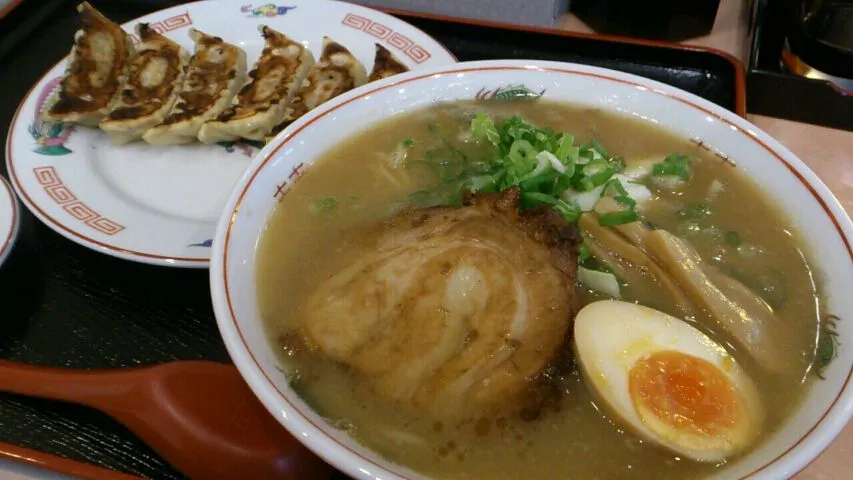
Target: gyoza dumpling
[[262, 102], [385, 64], [96, 71], [155, 78], [337, 72], [215, 73]]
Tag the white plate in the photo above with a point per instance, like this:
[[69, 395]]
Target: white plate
[[159, 205], [10, 219]]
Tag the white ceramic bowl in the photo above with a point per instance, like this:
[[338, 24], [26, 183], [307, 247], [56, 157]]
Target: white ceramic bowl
[[810, 204]]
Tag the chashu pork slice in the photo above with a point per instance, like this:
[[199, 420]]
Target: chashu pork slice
[[152, 87], [216, 71], [336, 72], [262, 102], [385, 64], [96, 71], [456, 311]]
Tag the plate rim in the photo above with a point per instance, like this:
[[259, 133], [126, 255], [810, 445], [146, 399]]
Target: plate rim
[[86, 241], [12, 235]]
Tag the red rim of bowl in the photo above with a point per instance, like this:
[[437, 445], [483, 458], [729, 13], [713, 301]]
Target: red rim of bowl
[[269, 155]]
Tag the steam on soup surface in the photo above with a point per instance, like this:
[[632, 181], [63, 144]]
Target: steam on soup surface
[[647, 204]]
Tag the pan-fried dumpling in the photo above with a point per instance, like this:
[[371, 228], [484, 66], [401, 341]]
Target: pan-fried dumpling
[[337, 72], [96, 72], [155, 78], [215, 73], [262, 102], [385, 64]]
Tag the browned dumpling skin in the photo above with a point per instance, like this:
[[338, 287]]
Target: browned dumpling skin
[[336, 72], [215, 73], [457, 311], [385, 64], [152, 87], [96, 72], [262, 101]]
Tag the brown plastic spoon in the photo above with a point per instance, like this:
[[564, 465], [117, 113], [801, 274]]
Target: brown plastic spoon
[[200, 416]]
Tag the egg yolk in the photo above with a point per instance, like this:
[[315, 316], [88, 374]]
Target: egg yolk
[[684, 392]]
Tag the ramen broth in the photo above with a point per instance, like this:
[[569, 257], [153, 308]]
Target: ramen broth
[[314, 231]]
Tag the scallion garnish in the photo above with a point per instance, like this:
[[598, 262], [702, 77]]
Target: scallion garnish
[[547, 166], [569, 210], [614, 188], [583, 254], [621, 217], [483, 128], [676, 164], [323, 204], [732, 238]]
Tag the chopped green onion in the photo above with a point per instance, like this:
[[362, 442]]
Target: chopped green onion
[[541, 183], [600, 178], [536, 198], [544, 164], [565, 149], [483, 128], [594, 146], [827, 348], [677, 165], [732, 238], [622, 217], [594, 174], [521, 151], [583, 253], [615, 189], [618, 164], [481, 184], [323, 204], [570, 210]]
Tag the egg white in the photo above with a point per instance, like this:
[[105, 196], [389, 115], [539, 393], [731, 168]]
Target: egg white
[[610, 336]]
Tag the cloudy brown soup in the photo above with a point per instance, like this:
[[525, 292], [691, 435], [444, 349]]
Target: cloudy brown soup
[[343, 209]]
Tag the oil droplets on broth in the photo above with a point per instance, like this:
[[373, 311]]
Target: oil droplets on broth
[[336, 220]]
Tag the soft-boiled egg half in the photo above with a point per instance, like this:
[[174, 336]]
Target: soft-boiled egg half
[[666, 381]]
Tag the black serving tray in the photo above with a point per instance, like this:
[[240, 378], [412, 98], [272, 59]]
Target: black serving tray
[[776, 93], [708, 73], [65, 305]]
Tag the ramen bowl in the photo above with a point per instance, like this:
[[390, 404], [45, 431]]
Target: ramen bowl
[[780, 175]]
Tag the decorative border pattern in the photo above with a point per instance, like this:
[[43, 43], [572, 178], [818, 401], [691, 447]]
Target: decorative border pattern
[[50, 138], [49, 179], [266, 10], [508, 92], [172, 23], [281, 190], [412, 50], [717, 153]]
